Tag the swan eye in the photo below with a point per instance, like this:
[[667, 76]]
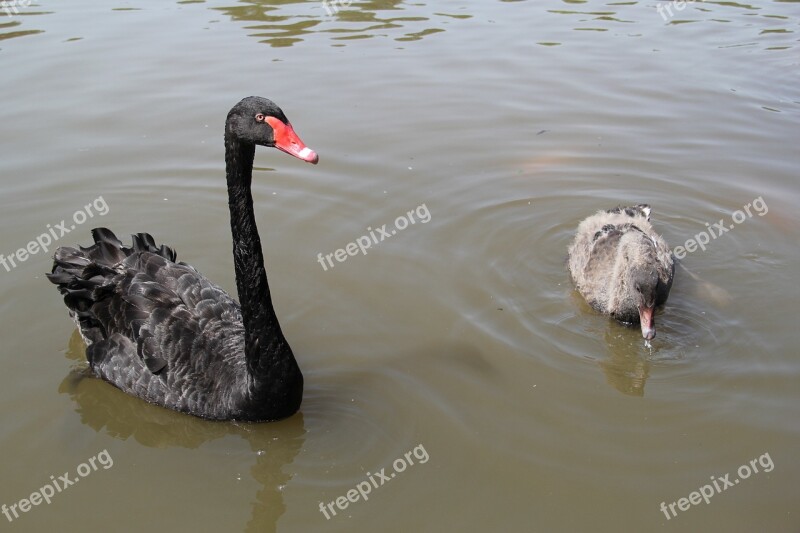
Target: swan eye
[[260, 117]]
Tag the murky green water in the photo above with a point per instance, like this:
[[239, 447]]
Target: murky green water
[[458, 344]]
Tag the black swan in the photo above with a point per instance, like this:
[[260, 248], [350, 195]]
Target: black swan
[[159, 330], [621, 266]]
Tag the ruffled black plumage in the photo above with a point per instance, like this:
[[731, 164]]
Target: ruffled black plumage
[[155, 328]]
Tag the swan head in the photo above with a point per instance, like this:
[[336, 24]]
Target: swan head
[[260, 121], [644, 283], [636, 280]]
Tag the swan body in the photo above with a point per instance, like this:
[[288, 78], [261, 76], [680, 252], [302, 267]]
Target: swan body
[[159, 330], [621, 266]]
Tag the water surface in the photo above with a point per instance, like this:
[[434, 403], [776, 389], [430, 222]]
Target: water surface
[[509, 122]]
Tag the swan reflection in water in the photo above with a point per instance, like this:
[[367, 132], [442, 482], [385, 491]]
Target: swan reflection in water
[[104, 408], [691, 321], [627, 365]]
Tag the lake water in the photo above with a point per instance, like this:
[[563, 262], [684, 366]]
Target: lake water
[[454, 354]]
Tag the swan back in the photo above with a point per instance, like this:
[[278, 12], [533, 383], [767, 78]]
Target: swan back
[[619, 263]]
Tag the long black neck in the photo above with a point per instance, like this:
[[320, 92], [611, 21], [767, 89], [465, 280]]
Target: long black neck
[[275, 379]]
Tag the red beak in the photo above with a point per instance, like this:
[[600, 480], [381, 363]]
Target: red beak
[[288, 141], [648, 323]]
